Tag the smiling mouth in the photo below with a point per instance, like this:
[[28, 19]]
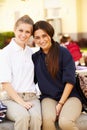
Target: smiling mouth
[[42, 44], [22, 39]]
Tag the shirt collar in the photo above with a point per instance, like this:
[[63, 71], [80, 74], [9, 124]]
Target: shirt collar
[[15, 46], [41, 52]]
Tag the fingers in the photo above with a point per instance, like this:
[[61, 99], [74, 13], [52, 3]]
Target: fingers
[[58, 109], [27, 105], [57, 113]]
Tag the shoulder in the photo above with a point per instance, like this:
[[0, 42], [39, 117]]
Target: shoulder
[[4, 52], [72, 45], [65, 56], [35, 55], [3, 57], [64, 51], [29, 50], [35, 49]]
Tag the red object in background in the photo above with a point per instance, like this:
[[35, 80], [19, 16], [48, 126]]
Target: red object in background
[[74, 50]]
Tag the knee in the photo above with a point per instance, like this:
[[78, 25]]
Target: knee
[[65, 123], [49, 119], [35, 117], [23, 117], [22, 121]]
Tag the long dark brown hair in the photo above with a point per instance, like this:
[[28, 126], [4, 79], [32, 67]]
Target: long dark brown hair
[[52, 57]]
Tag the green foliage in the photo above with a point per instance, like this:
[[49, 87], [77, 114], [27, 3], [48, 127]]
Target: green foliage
[[84, 49], [5, 38]]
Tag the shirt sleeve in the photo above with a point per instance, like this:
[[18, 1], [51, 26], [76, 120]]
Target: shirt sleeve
[[68, 67], [5, 70]]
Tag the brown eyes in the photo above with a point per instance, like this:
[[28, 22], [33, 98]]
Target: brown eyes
[[37, 37]]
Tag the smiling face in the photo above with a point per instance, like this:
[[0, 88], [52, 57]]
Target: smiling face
[[42, 39], [22, 33]]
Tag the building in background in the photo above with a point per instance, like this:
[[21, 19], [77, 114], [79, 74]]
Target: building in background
[[67, 16]]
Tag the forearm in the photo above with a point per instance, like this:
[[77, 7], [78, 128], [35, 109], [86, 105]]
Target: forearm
[[66, 93], [12, 93]]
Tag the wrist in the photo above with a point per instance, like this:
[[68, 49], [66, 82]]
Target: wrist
[[61, 103]]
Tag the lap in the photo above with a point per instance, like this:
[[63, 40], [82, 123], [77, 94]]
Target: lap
[[14, 110], [49, 108], [71, 109], [36, 108]]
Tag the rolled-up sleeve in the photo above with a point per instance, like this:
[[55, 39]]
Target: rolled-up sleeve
[[5, 70], [68, 68]]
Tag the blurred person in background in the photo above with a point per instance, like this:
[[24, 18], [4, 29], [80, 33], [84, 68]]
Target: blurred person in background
[[73, 48]]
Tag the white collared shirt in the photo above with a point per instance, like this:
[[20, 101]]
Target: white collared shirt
[[16, 67]]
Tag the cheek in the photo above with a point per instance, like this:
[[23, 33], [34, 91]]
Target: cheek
[[28, 35], [17, 34], [49, 39]]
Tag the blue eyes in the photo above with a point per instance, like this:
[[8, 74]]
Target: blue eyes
[[23, 31]]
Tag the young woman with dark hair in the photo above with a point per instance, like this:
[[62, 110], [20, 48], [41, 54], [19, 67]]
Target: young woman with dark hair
[[55, 74]]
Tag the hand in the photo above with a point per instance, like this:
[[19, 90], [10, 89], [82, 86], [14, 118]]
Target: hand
[[58, 109], [27, 105]]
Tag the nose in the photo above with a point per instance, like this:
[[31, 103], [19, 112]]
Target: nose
[[41, 39], [23, 34]]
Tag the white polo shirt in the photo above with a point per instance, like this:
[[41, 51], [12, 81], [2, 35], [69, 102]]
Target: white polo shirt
[[16, 67]]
